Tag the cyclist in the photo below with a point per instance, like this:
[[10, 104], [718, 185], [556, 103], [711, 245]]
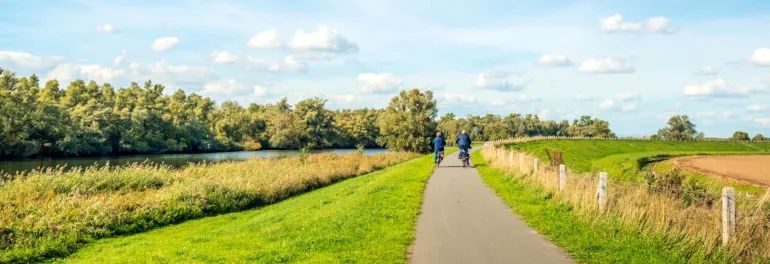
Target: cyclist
[[464, 143], [438, 146]]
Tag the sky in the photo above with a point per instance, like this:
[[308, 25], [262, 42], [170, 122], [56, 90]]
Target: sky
[[634, 64]]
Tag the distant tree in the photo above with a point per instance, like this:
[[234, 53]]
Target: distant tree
[[587, 126], [408, 123], [679, 128], [741, 136], [758, 137], [317, 121]]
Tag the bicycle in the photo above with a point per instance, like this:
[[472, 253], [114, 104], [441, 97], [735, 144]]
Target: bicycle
[[465, 157], [439, 158]]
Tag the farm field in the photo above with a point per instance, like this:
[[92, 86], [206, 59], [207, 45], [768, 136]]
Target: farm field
[[47, 214], [753, 169], [366, 219], [623, 159]]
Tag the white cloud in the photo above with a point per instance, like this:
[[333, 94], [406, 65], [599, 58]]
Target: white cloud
[[716, 88], [584, 98], [178, 74], [706, 71], [526, 98], [107, 28], [120, 58], [260, 90], [757, 108], [224, 87], [624, 102], [289, 63], [454, 98], [763, 121], [631, 96], [343, 98], [605, 65], [607, 104], [14, 60], [164, 43], [657, 24], [223, 57], [265, 40], [69, 72], [629, 107], [761, 57], [324, 40], [378, 82], [554, 60], [499, 80]]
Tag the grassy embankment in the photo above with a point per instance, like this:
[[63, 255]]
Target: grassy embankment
[[49, 214], [582, 236], [366, 219], [682, 211], [625, 159]]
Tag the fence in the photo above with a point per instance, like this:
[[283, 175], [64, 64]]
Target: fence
[[739, 225]]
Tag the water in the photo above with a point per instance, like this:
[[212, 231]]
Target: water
[[175, 160]]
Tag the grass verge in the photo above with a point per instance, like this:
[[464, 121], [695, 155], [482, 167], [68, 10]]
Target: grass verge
[[366, 219], [50, 214], [586, 238]]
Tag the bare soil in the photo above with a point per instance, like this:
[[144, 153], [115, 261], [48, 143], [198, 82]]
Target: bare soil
[[752, 169]]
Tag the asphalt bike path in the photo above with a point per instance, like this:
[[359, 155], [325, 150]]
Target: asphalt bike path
[[463, 221]]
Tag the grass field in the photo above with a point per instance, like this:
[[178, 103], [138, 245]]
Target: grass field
[[623, 159], [366, 219], [53, 213], [586, 238]]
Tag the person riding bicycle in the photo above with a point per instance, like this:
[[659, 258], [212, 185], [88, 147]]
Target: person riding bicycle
[[464, 143], [438, 145]]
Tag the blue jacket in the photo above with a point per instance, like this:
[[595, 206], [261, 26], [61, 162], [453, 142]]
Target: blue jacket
[[463, 141], [439, 143]]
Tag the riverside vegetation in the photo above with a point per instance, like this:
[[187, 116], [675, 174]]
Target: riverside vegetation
[[677, 214], [52, 213]]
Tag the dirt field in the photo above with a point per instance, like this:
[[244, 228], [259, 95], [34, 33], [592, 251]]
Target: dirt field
[[753, 169]]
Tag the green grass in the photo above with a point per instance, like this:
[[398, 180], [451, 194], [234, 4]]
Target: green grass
[[586, 239], [623, 159], [366, 219]]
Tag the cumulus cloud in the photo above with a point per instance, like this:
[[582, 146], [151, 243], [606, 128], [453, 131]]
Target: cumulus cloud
[[260, 90], [554, 60], [500, 80], [624, 102], [107, 28], [615, 23], [265, 40], [761, 57], [325, 39], [706, 71], [343, 98], [454, 98], [178, 74], [224, 87], [223, 57], [605, 65], [14, 60], [757, 108], [290, 63], [120, 58], [716, 88], [69, 72], [763, 121], [164, 43], [378, 82]]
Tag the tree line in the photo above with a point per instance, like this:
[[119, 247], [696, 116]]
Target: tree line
[[86, 118], [679, 127]]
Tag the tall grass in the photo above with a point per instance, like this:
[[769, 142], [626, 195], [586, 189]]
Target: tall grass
[[688, 216], [51, 213]]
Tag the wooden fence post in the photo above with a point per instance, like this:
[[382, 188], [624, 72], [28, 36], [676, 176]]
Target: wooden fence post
[[601, 191], [535, 169], [562, 177], [728, 214], [510, 160], [521, 161]]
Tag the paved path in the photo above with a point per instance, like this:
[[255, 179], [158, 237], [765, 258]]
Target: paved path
[[463, 221]]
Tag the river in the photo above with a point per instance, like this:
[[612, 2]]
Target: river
[[175, 160]]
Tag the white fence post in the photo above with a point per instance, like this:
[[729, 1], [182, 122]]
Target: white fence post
[[562, 177], [728, 214], [601, 191]]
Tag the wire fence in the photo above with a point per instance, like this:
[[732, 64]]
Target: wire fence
[[739, 224]]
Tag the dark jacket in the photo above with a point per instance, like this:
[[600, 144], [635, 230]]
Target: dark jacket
[[463, 141], [439, 143]]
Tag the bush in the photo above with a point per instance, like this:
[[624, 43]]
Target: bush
[[740, 136], [758, 137]]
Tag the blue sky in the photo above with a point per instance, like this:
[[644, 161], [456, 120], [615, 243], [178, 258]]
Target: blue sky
[[634, 64]]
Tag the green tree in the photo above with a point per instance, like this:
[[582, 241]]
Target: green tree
[[679, 128], [758, 137], [318, 123], [741, 136], [408, 123]]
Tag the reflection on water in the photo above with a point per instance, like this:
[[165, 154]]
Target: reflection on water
[[176, 160]]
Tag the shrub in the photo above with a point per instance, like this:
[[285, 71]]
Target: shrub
[[740, 136]]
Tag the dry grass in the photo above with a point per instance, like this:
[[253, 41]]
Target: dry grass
[[52, 213], [694, 227]]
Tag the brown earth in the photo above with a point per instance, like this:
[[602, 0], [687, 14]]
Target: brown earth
[[752, 169]]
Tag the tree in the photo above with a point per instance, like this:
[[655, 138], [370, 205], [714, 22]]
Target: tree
[[741, 136], [587, 126], [318, 123], [408, 123], [758, 137], [679, 128]]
